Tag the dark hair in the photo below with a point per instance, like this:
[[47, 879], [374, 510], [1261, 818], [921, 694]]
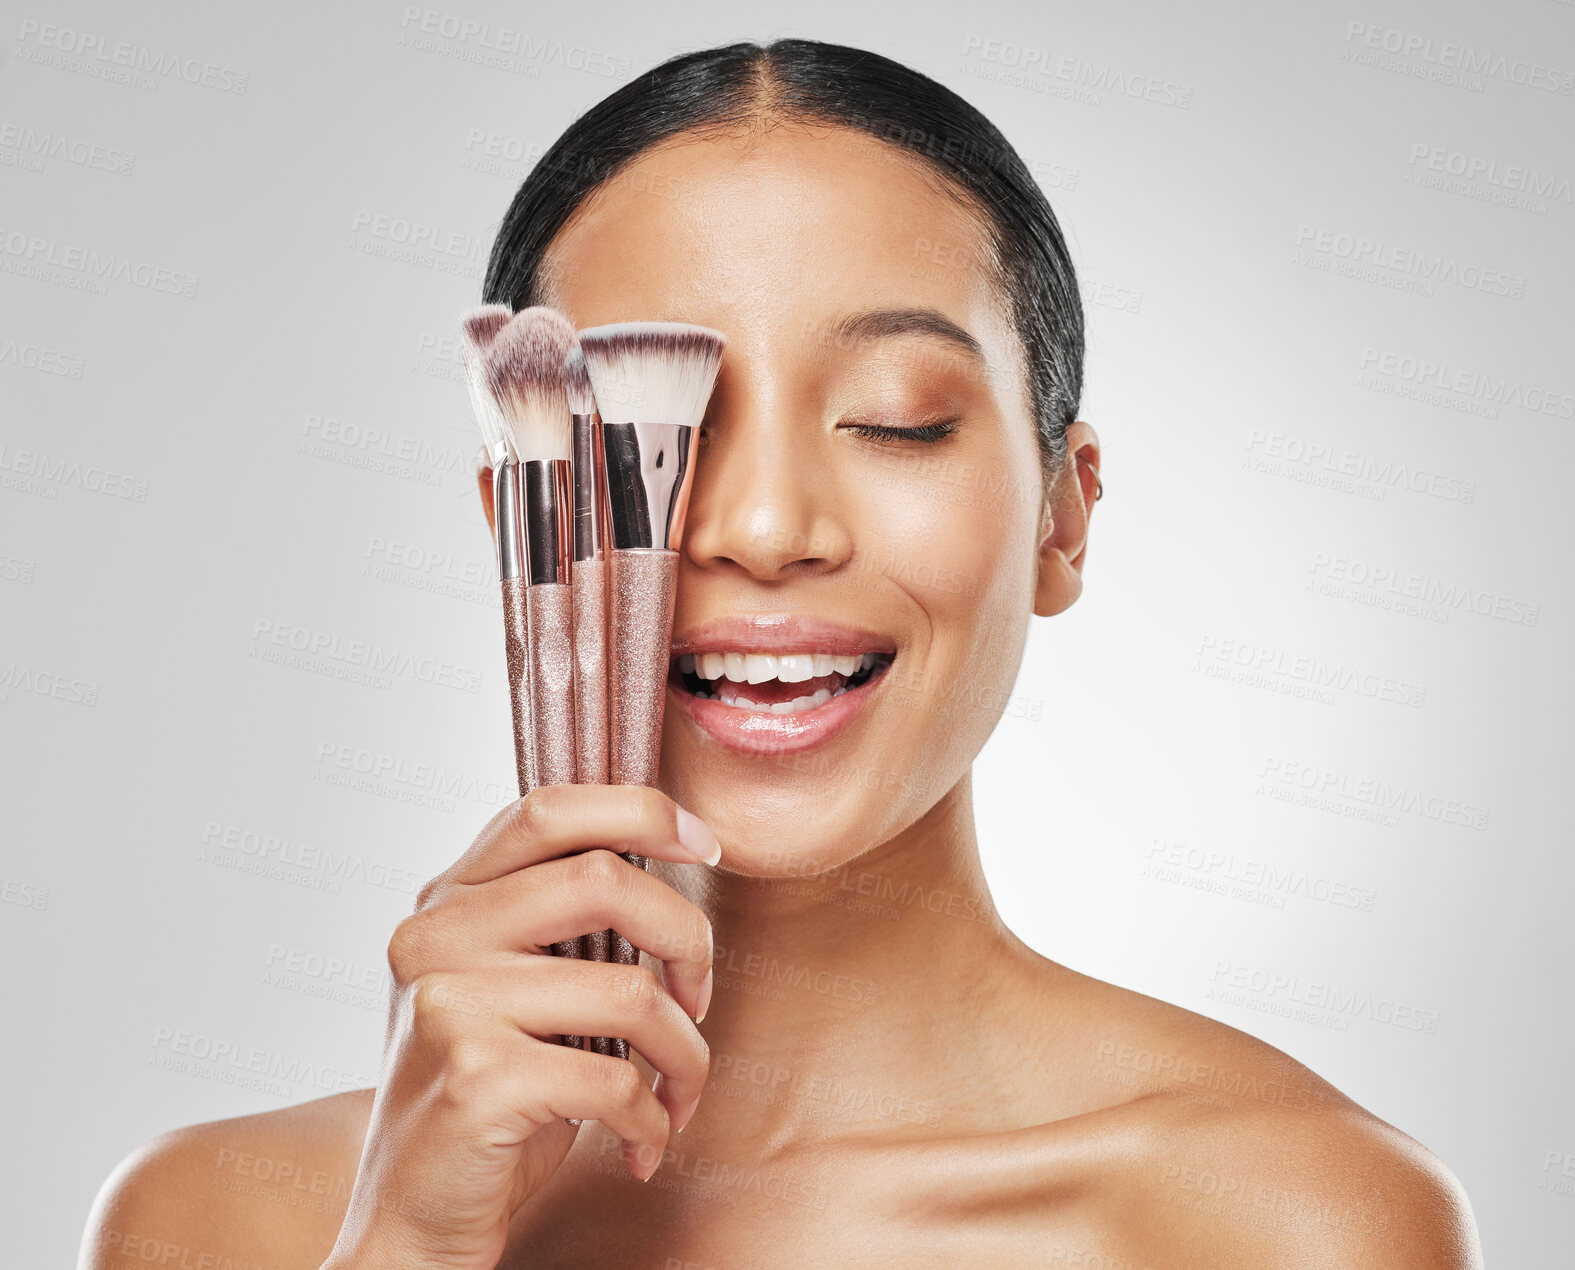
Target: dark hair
[[824, 83]]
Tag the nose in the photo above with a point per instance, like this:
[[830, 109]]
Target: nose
[[766, 502]]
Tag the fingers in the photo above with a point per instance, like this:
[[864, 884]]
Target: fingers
[[531, 909], [548, 998], [480, 1030], [578, 1084], [558, 820]]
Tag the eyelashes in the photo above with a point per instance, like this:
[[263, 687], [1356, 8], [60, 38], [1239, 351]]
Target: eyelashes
[[922, 433], [926, 433]]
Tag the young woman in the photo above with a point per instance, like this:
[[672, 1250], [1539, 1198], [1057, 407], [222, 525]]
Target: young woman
[[866, 1067]]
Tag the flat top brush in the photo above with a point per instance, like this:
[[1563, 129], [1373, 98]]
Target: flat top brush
[[651, 382], [652, 372]]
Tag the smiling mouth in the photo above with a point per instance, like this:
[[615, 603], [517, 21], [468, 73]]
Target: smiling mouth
[[775, 683]]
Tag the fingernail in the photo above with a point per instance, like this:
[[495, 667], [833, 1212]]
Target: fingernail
[[633, 1162], [699, 841], [706, 985], [683, 1120]]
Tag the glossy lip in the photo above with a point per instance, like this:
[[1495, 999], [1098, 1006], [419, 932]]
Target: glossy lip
[[759, 732], [780, 633]]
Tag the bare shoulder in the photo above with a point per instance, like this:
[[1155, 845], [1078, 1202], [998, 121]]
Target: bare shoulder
[[267, 1189], [1227, 1151]]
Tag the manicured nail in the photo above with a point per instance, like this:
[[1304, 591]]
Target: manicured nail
[[683, 1120], [632, 1161], [699, 841], [706, 985]]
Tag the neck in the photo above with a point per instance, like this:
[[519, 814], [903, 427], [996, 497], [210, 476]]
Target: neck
[[829, 977]]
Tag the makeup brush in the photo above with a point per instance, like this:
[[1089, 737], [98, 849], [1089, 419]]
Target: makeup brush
[[588, 588], [512, 391], [480, 328], [525, 368], [651, 381], [526, 365]]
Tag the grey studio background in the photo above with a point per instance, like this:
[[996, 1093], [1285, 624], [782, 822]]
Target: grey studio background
[[1297, 759]]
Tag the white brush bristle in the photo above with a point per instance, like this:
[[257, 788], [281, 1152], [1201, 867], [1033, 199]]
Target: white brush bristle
[[577, 382], [478, 328], [652, 372], [526, 371]]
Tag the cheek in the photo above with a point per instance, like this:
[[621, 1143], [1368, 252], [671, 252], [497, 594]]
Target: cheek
[[960, 545]]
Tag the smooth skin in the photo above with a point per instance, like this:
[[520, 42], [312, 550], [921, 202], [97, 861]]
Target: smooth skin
[[885, 1074]]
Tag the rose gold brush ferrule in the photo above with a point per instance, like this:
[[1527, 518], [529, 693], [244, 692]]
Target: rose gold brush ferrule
[[647, 478], [548, 529]]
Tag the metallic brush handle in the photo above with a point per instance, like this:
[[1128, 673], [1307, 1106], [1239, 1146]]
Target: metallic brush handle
[[516, 648], [546, 517], [645, 584], [517, 645], [589, 589], [552, 702], [552, 681]]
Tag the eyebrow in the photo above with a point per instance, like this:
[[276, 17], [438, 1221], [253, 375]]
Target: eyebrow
[[882, 323]]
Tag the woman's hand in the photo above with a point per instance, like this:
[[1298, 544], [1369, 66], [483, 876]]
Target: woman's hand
[[470, 1115]]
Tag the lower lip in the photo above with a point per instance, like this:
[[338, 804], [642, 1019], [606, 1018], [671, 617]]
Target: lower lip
[[761, 732]]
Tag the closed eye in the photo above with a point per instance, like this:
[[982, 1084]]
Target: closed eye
[[923, 432]]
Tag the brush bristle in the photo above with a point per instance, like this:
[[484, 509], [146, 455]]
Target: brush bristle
[[525, 364], [481, 326], [478, 329], [652, 372], [577, 382]]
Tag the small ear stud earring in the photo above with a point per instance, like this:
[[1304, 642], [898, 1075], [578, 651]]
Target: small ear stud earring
[[1099, 485]]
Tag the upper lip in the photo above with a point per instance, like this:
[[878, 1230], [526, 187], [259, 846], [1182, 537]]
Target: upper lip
[[779, 633]]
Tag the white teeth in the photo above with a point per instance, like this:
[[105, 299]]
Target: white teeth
[[795, 668], [790, 668], [742, 703], [795, 706]]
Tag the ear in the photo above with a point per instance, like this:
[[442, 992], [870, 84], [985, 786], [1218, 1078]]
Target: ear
[[484, 480], [1068, 507]]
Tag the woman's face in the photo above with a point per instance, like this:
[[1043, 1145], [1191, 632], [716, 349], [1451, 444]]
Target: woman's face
[[867, 480]]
